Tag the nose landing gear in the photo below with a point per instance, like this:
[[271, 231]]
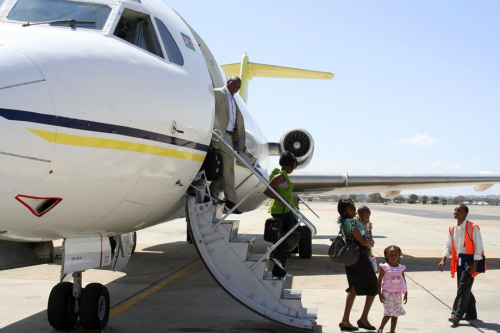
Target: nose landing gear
[[68, 300]]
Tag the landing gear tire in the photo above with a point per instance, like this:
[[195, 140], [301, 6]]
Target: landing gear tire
[[94, 306], [305, 244], [61, 307]]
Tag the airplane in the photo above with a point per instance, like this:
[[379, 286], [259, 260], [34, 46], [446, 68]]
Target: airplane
[[106, 115]]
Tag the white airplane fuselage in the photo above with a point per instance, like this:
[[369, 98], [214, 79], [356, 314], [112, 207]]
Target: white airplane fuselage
[[89, 118]]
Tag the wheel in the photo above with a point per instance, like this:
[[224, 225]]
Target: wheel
[[305, 244], [135, 242], [61, 307], [94, 306]]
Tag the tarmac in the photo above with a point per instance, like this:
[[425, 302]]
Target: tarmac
[[165, 288]]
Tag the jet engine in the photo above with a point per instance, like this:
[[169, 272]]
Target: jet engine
[[300, 143]]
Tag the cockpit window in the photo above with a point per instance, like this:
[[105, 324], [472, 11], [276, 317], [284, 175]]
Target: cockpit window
[[136, 28], [33, 11], [173, 52]]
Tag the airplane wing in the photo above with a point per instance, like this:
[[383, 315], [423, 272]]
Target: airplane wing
[[389, 186]]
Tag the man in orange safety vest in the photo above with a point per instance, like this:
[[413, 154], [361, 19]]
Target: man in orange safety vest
[[464, 238]]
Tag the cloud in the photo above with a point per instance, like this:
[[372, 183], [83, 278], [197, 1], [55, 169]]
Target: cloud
[[442, 167], [419, 140], [454, 167], [437, 165]]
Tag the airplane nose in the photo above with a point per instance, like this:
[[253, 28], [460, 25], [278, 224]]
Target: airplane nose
[[25, 100]]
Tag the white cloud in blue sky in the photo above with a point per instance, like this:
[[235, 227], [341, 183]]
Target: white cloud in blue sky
[[419, 140]]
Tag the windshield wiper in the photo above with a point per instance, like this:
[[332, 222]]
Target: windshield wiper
[[72, 22]]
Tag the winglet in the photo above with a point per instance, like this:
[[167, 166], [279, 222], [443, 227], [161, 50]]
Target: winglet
[[247, 70]]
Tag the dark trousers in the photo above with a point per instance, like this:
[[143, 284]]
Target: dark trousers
[[465, 302], [288, 222]]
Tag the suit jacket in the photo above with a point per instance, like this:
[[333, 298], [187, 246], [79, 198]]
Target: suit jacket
[[222, 120]]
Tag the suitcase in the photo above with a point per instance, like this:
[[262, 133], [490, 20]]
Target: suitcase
[[212, 164]]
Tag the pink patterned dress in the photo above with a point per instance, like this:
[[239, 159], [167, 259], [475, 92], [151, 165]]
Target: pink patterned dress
[[393, 288]]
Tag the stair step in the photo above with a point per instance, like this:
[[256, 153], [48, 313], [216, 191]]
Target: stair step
[[292, 294], [233, 228], [229, 257], [310, 313], [243, 246]]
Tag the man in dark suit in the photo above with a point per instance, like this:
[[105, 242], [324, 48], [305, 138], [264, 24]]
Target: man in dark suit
[[229, 121]]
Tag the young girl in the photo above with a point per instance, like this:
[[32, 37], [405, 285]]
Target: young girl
[[391, 286], [364, 214]]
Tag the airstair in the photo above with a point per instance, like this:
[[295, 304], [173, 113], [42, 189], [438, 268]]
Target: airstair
[[241, 272]]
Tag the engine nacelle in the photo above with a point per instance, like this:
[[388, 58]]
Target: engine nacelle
[[390, 194], [300, 143]]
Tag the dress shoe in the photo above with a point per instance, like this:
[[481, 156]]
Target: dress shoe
[[366, 327], [347, 328], [454, 320], [229, 205]]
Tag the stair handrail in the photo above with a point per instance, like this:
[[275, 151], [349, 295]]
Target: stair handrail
[[312, 211], [300, 217]]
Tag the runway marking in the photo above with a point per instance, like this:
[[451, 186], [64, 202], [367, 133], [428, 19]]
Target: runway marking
[[134, 300]]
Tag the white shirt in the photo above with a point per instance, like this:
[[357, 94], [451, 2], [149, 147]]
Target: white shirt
[[232, 111], [459, 237]]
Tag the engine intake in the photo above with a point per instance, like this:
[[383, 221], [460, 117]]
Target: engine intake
[[300, 143]]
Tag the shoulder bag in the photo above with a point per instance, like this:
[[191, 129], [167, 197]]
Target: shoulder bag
[[344, 251]]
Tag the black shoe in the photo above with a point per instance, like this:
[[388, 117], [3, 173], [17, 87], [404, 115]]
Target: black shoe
[[347, 328], [366, 327], [229, 205]]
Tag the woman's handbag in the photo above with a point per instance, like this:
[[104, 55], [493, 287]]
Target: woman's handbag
[[344, 252]]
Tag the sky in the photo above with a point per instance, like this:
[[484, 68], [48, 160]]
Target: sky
[[416, 87]]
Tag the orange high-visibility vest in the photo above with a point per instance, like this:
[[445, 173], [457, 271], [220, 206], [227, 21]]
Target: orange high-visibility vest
[[469, 246]]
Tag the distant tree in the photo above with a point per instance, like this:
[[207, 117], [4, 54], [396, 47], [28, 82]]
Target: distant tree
[[413, 198], [424, 199], [435, 200], [399, 198], [353, 197], [444, 201], [458, 199]]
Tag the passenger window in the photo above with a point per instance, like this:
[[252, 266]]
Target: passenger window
[[173, 52], [137, 28]]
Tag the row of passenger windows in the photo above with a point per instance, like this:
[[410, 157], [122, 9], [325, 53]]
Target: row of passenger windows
[[137, 28]]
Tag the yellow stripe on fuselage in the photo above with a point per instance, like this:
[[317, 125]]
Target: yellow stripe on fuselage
[[85, 141]]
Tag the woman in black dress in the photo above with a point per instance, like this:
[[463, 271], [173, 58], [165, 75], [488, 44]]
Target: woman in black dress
[[360, 276]]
